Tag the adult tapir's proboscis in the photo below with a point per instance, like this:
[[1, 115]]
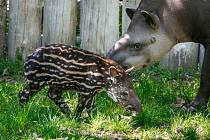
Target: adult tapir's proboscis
[[156, 26]]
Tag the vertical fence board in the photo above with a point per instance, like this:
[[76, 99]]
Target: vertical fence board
[[125, 19], [99, 24], [183, 55], [3, 7], [24, 27], [60, 21]]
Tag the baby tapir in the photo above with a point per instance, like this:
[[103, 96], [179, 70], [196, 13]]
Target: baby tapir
[[63, 67]]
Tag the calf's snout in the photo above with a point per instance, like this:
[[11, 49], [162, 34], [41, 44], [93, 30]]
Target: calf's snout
[[137, 104]]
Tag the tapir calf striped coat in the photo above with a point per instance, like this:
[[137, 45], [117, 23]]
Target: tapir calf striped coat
[[62, 67]]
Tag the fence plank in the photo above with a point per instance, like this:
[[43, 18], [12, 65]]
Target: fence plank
[[125, 19], [60, 21], [99, 24], [3, 7], [24, 27], [183, 55]]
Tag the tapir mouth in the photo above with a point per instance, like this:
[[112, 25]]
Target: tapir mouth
[[136, 111]]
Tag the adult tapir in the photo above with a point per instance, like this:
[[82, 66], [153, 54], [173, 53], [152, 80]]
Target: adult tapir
[[156, 26]]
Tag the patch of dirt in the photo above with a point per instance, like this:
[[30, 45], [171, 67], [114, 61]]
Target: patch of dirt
[[111, 135]]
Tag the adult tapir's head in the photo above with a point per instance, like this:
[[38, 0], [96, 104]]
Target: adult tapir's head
[[146, 39]]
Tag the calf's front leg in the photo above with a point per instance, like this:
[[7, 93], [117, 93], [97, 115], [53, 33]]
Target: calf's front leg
[[26, 94]]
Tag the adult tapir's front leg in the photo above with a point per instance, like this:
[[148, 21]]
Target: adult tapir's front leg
[[203, 95]]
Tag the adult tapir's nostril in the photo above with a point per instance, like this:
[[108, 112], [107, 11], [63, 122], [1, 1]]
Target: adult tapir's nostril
[[110, 53], [119, 46], [115, 55], [114, 50]]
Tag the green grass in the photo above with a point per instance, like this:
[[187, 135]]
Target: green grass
[[157, 88]]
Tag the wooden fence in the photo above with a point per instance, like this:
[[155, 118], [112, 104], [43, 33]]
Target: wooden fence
[[38, 22], [24, 26], [99, 21], [3, 6], [59, 21]]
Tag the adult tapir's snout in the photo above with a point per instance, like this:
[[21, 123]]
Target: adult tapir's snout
[[115, 55], [118, 52]]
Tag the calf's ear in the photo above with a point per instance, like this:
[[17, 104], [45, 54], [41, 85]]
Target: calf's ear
[[152, 20], [129, 70], [113, 71], [130, 12]]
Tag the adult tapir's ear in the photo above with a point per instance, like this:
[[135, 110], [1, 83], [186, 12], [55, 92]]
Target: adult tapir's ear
[[130, 12], [113, 71], [151, 19]]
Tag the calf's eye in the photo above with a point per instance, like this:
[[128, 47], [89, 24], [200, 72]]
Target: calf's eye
[[114, 81]]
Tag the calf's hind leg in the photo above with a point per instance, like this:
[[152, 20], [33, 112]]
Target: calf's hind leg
[[55, 95], [84, 101], [28, 93], [80, 106], [90, 105]]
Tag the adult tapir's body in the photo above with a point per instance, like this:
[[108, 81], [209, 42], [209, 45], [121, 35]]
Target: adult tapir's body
[[156, 26]]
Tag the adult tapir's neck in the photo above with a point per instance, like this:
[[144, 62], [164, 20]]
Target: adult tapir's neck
[[151, 5], [186, 20], [178, 19]]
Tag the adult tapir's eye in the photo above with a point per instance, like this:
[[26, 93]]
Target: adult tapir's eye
[[137, 45]]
